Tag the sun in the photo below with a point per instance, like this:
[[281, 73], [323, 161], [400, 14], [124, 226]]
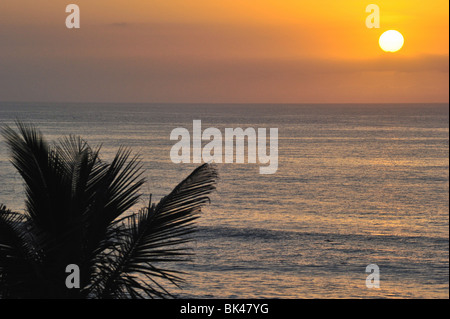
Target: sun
[[391, 41]]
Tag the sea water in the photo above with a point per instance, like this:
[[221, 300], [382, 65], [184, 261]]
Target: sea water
[[356, 185]]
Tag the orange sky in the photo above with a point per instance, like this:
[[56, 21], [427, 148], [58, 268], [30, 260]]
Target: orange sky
[[243, 51]]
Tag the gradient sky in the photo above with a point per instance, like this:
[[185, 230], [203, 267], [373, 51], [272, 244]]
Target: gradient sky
[[222, 51]]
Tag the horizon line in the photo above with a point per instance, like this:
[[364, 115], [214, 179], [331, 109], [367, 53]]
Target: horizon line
[[229, 103]]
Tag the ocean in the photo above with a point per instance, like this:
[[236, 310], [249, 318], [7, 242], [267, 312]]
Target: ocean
[[356, 185]]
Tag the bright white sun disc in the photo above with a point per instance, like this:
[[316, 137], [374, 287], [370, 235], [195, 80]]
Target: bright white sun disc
[[391, 41]]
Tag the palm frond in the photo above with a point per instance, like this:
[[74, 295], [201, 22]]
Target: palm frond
[[72, 197], [54, 210], [32, 157], [18, 259], [112, 190], [77, 213], [155, 234]]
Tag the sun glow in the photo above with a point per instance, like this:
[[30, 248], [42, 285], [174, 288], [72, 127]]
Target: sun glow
[[391, 41]]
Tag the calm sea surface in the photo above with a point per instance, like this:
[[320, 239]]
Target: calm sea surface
[[356, 185]]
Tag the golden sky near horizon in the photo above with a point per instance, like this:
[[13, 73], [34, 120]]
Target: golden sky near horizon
[[244, 51]]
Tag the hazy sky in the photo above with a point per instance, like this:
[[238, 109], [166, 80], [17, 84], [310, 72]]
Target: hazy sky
[[222, 51]]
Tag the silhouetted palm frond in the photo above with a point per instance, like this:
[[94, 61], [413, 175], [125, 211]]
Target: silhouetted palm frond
[[18, 260], [77, 213], [154, 236]]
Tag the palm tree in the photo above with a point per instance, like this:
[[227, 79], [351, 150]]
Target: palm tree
[[76, 212]]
